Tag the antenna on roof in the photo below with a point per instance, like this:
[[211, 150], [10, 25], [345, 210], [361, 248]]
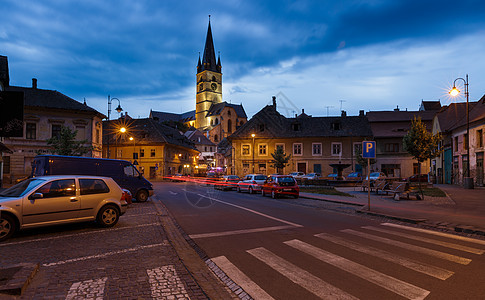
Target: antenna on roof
[[327, 107], [341, 101]]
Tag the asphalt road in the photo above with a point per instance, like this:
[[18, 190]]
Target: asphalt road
[[293, 249]]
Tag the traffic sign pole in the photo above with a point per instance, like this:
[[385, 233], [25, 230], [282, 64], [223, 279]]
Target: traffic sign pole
[[368, 184]]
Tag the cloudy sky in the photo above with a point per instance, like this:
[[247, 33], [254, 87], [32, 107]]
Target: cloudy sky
[[320, 55]]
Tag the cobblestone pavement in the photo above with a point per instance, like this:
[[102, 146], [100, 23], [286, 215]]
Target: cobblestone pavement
[[132, 260]]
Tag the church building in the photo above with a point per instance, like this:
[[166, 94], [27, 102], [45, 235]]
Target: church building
[[215, 118]]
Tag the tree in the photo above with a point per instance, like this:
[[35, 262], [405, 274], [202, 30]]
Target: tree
[[280, 159], [66, 144]]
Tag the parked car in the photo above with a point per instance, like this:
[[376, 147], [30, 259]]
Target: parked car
[[123, 172], [281, 185], [376, 176], [297, 174], [251, 183], [417, 178], [312, 176], [177, 177], [54, 200], [356, 176], [332, 176], [228, 182]]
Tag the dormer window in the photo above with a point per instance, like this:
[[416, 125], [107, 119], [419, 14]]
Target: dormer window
[[296, 126], [336, 126], [261, 127]]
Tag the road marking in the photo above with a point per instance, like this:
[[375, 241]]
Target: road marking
[[392, 257], [253, 211], [242, 231], [299, 276], [241, 279], [392, 284], [77, 234], [166, 284], [88, 289], [442, 255], [426, 240], [165, 243], [172, 193], [451, 236]]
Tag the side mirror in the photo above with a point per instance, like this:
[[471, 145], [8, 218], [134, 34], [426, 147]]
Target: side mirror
[[36, 196]]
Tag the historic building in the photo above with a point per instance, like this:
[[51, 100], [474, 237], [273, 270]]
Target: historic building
[[45, 112], [215, 118]]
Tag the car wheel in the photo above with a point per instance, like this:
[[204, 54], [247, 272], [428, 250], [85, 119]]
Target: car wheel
[[142, 196], [251, 190], [296, 196], [238, 189], [273, 194], [7, 226], [108, 216]]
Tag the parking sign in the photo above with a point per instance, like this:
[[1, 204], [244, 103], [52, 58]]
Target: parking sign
[[368, 149]]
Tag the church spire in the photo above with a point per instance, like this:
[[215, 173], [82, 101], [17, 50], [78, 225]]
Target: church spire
[[209, 57]]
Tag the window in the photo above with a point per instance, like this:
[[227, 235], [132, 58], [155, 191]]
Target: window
[[119, 153], [6, 164], [229, 124], [58, 188], [97, 136], [357, 149], [317, 149], [391, 147], [280, 146], [262, 149], [30, 131], [337, 149], [142, 152], [93, 186], [56, 130], [152, 152], [392, 170], [130, 171], [261, 127], [297, 149], [216, 138], [245, 149], [456, 143], [479, 138], [336, 126], [465, 142], [81, 133], [296, 127]]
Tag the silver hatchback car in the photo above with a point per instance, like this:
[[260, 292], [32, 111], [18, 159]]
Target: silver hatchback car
[[52, 200]]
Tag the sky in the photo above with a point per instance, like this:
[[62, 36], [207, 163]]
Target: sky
[[321, 56]]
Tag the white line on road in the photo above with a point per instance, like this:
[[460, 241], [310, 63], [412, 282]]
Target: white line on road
[[426, 240], [392, 284], [88, 289], [392, 257], [299, 276], [165, 243], [249, 286], [451, 236], [166, 284], [253, 211], [77, 234], [442, 255], [242, 231]]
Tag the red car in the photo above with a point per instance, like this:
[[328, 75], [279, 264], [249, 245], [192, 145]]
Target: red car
[[280, 185]]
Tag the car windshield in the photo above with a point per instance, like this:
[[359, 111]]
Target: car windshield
[[259, 177], [22, 188], [286, 179]]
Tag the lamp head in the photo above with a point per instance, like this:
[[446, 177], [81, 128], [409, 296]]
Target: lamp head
[[119, 109], [454, 91], [253, 135], [123, 129], [131, 138]]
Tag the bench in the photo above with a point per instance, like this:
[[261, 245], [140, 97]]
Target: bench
[[399, 189], [380, 185]]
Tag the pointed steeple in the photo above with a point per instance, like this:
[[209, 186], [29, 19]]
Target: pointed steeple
[[209, 57]]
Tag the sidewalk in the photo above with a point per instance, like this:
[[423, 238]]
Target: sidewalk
[[462, 210]]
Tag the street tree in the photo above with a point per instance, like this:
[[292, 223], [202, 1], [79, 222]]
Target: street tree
[[280, 159], [66, 144]]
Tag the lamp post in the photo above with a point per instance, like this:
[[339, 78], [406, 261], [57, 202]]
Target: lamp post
[[135, 154], [118, 109], [253, 135], [467, 180]]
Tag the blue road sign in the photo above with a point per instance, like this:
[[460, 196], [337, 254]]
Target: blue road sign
[[368, 149]]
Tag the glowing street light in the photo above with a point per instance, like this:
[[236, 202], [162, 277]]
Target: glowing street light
[[467, 180], [253, 136]]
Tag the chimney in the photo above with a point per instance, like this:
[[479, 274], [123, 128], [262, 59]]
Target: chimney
[[344, 113], [397, 108], [361, 113], [302, 110], [34, 83], [274, 102]]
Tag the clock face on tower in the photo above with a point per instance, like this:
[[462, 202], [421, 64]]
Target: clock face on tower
[[214, 86]]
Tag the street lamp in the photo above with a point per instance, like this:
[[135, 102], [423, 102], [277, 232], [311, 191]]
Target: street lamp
[[467, 180], [253, 135], [135, 154], [118, 109]]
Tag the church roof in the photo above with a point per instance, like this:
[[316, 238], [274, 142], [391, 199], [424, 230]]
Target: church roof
[[209, 57], [161, 116], [217, 108]]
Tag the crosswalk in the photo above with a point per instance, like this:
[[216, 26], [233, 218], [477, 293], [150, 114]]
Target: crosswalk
[[413, 242]]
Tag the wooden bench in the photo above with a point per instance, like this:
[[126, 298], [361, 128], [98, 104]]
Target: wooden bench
[[399, 189]]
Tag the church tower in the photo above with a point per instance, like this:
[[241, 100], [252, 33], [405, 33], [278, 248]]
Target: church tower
[[209, 82]]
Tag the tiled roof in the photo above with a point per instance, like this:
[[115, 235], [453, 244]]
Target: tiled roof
[[428, 105], [161, 116], [35, 97], [216, 109], [396, 123], [454, 115], [271, 124]]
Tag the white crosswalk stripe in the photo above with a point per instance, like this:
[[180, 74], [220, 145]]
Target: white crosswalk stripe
[[431, 252], [299, 276], [392, 284], [392, 257], [165, 283], [427, 240], [88, 289]]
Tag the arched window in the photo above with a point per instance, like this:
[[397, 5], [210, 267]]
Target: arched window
[[213, 78], [216, 138], [212, 122], [217, 121], [229, 126]]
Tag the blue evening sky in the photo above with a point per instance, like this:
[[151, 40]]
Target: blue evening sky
[[314, 55]]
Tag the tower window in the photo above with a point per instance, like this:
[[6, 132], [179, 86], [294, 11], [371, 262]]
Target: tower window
[[214, 78]]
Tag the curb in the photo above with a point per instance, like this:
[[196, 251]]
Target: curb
[[15, 279]]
